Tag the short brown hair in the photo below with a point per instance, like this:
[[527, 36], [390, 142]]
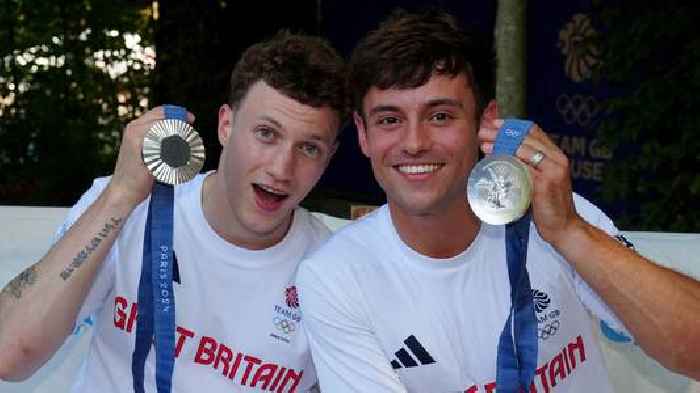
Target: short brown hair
[[409, 48], [302, 67]]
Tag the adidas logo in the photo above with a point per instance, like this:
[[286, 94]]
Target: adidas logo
[[406, 360]]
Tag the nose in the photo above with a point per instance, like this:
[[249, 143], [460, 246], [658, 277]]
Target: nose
[[416, 139], [281, 166]]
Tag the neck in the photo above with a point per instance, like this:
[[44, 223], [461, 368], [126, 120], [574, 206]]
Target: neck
[[442, 234], [222, 219]]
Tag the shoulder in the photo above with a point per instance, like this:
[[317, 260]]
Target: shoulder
[[357, 245], [308, 229], [590, 213], [332, 281], [314, 225], [594, 215], [366, 235], [98, 186], [191, 190]]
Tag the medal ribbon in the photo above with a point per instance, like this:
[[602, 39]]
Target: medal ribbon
[[517, 347], [156, 301]]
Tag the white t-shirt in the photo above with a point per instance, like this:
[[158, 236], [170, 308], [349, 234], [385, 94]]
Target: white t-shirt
[[383, 318], [238, 325]]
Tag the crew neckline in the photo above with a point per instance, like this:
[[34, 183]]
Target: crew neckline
[[241, 255], [422, 261]]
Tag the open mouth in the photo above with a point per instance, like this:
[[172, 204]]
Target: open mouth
[[268, 198]]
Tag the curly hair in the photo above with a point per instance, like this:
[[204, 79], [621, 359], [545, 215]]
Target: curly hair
[[302, 67], [407, 49]]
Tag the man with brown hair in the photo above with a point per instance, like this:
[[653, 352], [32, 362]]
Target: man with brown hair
[[416, 296], [239, 235]]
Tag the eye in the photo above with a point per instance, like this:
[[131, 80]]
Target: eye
[[310, 150], [387, 121], [441, 117], [265, 134]]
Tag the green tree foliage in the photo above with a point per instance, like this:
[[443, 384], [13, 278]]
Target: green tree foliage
[[199, 43], [70, 78], [652, 55]]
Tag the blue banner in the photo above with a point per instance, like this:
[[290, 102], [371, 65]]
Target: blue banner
[[563, 95]]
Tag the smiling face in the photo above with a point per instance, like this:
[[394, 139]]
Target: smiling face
[[422, 143], [274, 151]]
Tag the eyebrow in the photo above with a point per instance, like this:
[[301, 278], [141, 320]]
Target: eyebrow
[[316, 137], [271, 120], [431, 104], [445, 102], [383, 108], [312, 135]]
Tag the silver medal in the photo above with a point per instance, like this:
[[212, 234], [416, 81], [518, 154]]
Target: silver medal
[[499, 189], [173, 151]]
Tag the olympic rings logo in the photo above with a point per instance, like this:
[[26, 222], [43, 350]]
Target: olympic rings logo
[[512, 132], [577, 109], [284, 325], [548, 330]]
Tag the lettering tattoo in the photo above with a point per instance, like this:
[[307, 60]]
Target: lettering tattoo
[[18, 284], [82, 256]]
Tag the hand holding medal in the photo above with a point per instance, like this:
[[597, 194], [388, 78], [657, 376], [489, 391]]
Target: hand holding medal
[[553, 209], [172, 150], [499, 189]]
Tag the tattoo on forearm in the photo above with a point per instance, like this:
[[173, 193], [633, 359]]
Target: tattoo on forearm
[[85, 253], [18, 284]]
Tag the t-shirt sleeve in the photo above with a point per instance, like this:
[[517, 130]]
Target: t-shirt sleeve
[[105, 276], [591, 300], [346, 353]]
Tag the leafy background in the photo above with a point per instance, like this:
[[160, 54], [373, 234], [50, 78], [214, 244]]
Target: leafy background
[[73, 73], [652, 54]]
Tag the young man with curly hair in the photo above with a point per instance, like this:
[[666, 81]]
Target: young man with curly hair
[[239, 235]]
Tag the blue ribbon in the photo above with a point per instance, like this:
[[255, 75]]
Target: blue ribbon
[[156, 301], [511, 135], [517, 347]]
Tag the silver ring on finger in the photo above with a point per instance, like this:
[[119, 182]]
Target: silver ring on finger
[[536, 158]]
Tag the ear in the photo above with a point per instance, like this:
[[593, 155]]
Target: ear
[[361, 132], [491, 112], [225, 123]]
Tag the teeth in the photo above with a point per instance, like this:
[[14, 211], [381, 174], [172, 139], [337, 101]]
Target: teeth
[[271, 190], [413, 169]]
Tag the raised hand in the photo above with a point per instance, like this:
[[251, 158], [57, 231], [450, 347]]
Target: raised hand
[[131, 182], [552, 203]]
